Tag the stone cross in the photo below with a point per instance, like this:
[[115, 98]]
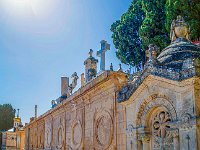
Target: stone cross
[[101, 53]]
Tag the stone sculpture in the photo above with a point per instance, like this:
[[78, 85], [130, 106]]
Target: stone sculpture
[[179, 28], [73, 84]]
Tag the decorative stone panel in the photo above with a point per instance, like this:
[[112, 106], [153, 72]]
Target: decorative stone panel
[[103, 130]]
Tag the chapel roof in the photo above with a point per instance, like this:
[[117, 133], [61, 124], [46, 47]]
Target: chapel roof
[[178, 52], [179, 61]]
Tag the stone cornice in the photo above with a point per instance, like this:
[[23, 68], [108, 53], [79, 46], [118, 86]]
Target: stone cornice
[[102, 78]]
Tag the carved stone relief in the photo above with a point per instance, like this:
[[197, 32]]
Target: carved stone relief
[[58, 132], [41, 136], [60, 137], [155, 119], [186, 122], [35, 138], [149, 104], [77, 134], [48, 133], [162, 137], [48, 138], [103, 130]]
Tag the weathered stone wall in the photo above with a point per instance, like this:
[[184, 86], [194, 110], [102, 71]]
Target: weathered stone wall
[[175, 100], [161, 113], [197, 108], [88, 120]]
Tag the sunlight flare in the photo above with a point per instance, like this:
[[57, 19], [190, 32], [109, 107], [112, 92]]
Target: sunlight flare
[[39, 8]]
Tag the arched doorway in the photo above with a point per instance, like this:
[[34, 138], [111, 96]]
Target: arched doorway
[[156, 130]]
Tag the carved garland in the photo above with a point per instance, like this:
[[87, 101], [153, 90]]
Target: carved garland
[[103, 130], [40, 139], [41, 136], [60, 137], [48, 138], [77, 134]]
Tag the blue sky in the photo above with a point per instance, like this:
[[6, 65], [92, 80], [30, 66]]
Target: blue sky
[[42, 40]]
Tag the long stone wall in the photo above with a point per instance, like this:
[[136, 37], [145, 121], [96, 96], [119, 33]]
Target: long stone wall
[[88, 120]]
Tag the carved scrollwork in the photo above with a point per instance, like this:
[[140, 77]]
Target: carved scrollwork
[[161, 124], [175, 133], [77, 134], [60, 137], [152, 103], [161, 129], [144, 137], [40, 139], [130, 130], [186, 121], [103, 129], [48, 138]]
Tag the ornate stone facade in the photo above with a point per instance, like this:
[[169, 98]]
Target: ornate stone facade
[[162, 103], [86, 120], [163, 115], [156, 109]]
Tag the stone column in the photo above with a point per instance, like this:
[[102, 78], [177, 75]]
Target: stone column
[[146, 142]]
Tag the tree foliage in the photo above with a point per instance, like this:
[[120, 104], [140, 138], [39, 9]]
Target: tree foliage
[[189, 9], [149, 22], [126, 36], [152, 30], [7, 113]]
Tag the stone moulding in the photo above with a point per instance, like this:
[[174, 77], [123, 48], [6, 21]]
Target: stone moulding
[[161, 71]]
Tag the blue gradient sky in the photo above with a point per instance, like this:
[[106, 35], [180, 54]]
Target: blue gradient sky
[[42, 40]]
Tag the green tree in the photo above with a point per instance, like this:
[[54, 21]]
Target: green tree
[[126, 36], [189, 9], [152, 30], [7, 113], [149, 22]]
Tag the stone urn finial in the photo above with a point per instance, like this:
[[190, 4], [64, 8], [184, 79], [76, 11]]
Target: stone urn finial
[[120, 68], [90, 53], [179, 29]]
